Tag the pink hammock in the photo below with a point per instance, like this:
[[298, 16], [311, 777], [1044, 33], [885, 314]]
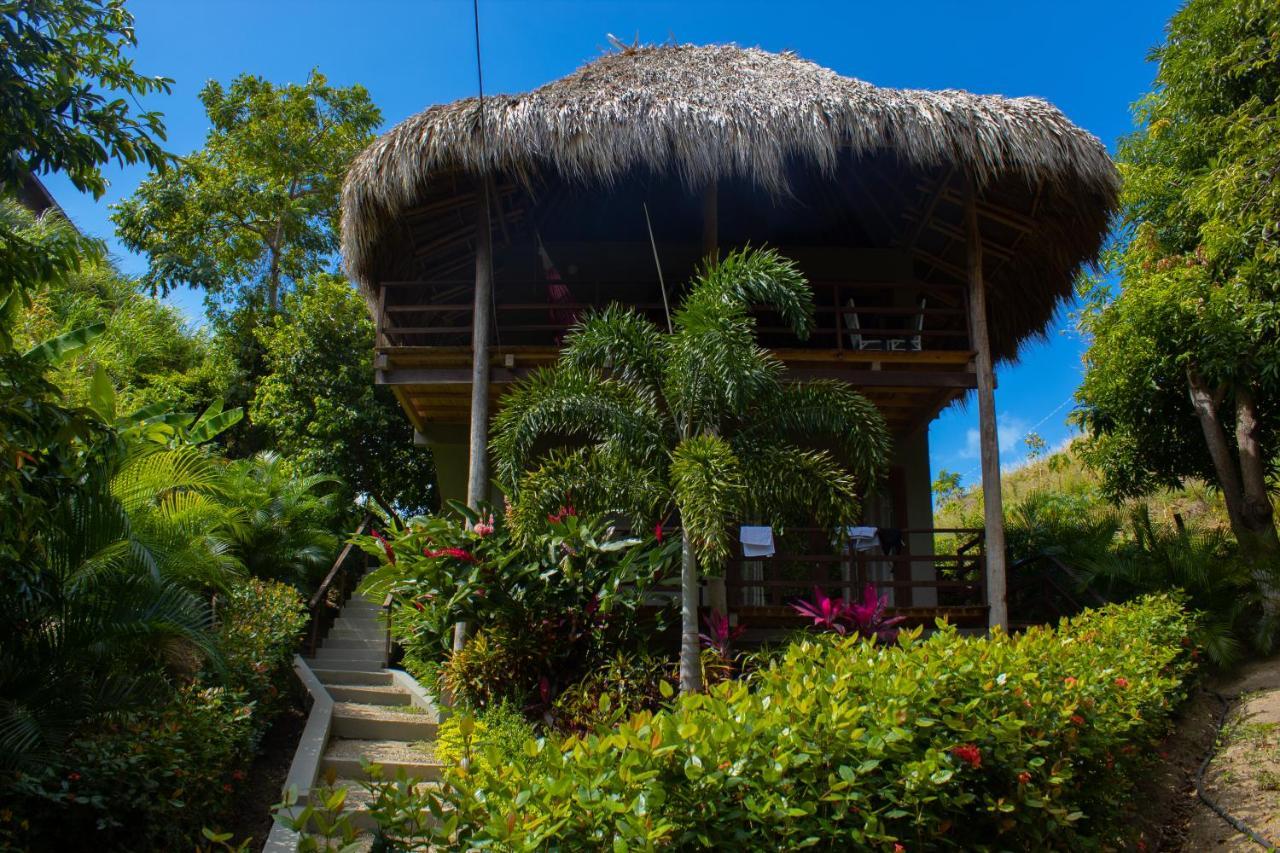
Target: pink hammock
[[558, 294]]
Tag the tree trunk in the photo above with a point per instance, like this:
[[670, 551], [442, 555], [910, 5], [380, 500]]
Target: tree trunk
[[1262, 549], [690, 648], [1243, 484]]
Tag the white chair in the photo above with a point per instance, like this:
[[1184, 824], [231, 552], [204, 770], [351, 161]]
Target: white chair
[[913, 343], [856, 340]]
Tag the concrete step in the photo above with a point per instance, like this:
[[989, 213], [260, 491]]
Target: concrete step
[[358, 632], [345, 642], [327, 653], [346, 676], [342, 623], [345, 664], [344, 756], [370, 722], [369, 694]]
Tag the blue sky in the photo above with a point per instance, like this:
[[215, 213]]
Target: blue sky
[[1087, 57]]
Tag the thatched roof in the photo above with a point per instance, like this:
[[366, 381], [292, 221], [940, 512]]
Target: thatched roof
[[723, 112]]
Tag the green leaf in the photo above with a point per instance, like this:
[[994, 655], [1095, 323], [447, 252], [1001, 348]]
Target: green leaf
[[57, 350], [102, 394]]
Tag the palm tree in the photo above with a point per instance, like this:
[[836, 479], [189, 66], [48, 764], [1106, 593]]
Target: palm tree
[[697, 421], [283, 518]]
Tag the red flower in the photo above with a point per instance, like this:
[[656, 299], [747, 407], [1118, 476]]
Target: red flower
[[386, 546], [238, 775], [73, 776], [484, 526], [969, 754], [657, 532], [562, 513], [1077, 720], [1024, 777], [898, 848], [1069, 681], [1122, 682], [456, 553], [227, 787]]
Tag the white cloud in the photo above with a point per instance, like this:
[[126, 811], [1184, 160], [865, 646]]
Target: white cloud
[[1011, 429]]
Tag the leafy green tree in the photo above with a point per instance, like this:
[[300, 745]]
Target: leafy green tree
[[320, 407], [697, 422], [65, 88], [1036, 445], [255, 209], [1183, 368], [946, 486]]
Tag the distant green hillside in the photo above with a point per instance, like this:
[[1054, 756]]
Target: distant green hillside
[[1064, 478]]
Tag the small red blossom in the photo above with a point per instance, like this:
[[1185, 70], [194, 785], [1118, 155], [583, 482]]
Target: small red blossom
[[227, 787], [73, 776], [1024, 778], [456, 553], [1069, 681], [969, 754], [898, 848], [238, 775], [657, 532], [1077, 720], [484, 527], [1122, 682]]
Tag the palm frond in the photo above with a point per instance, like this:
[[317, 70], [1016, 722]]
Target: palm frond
[[556, 407], [709, 489], [619, 342]]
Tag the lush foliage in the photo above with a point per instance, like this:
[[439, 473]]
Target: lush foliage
[[151, 777], [317, 402], [952, 742], [546, 609], [695, 421], [626, 683], [1184, 363]]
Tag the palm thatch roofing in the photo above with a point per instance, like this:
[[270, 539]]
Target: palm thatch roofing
[[700, 114]]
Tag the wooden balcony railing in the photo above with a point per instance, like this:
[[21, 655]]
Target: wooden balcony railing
[[955, 579], [850, 316]]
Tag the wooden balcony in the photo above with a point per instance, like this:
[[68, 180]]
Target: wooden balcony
[[906, 345]]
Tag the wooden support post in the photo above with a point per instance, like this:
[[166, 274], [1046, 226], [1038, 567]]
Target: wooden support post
[[711, 222], [998, 614], [481, 329]]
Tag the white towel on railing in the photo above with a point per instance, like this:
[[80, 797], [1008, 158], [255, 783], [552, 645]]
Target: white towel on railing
[[863, 538], [756, 541]]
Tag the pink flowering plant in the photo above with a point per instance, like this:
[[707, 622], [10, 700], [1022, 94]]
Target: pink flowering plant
[[565, 594], [865, 618]]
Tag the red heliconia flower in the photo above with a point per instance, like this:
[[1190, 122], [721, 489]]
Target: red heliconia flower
[[969, 754], [1077, 720], [561, 514], [1122, 682], [386, 546], [657, 532]]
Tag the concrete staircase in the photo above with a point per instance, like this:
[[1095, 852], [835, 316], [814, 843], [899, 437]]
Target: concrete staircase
[[375, 717]]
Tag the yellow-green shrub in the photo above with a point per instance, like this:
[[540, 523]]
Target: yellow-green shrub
[[949, 742]]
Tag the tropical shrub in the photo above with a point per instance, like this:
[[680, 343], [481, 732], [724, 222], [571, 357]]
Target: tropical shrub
[[501, 727], [623, 685], [260, 623], [956, 742], [548, 609], [866, 618]]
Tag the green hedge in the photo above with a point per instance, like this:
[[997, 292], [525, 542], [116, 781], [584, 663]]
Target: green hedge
[[949, 742], [151, 779]]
